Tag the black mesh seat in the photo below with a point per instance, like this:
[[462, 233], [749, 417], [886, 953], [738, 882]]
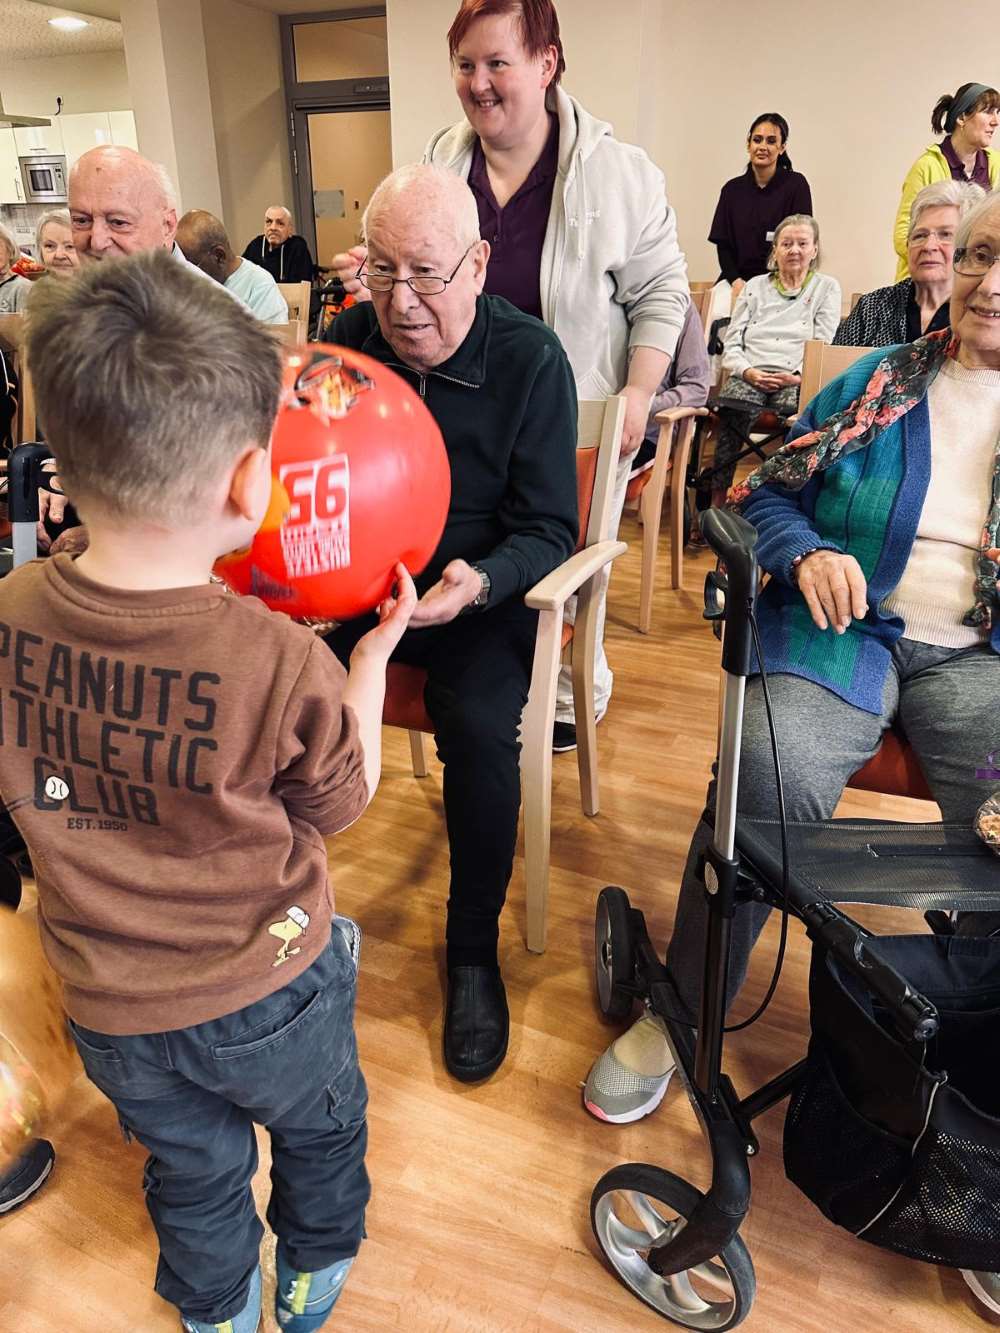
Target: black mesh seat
[[922, 866]]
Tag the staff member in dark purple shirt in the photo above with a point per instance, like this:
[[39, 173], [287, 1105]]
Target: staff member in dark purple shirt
[[751, 206]]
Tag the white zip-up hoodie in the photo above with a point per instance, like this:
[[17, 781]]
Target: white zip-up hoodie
[[612, 274]]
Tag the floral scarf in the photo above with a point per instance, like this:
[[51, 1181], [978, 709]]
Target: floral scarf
[[900, 380]]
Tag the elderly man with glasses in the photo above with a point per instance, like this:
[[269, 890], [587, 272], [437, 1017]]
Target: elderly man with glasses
[[499, 385]]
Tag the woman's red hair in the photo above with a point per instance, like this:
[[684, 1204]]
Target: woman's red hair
[[537, 19]]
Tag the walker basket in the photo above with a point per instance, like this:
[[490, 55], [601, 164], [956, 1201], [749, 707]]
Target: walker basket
[[899, 1142]]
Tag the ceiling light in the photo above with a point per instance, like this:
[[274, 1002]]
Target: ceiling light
[[68, 24]]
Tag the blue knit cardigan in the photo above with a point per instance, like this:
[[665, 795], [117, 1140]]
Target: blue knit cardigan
[[868, 504]]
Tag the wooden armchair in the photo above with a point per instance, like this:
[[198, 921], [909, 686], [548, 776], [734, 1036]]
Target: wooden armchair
[[297, 296], [598, 443]]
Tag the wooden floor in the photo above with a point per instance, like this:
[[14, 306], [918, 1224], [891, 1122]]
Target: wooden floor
[[479, 1219]]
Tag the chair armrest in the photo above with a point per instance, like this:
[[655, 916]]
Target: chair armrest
[[551, 592], [679, 413]]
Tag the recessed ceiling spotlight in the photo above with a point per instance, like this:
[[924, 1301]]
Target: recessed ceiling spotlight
[[68, 24]]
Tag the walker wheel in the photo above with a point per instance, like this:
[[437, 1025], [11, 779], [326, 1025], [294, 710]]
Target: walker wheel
[[635, 1206], [614, 956]]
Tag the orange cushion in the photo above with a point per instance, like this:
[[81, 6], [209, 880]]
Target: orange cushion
[[586, 473], [894, 771]]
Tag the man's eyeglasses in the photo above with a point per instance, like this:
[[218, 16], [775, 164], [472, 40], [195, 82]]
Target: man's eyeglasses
[[423, 286], [974, 260]]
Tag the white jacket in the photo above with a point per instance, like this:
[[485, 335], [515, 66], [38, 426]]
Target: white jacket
[[612, 274], [770, 330]]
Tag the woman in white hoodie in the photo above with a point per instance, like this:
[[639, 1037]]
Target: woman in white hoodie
[[580, 231]]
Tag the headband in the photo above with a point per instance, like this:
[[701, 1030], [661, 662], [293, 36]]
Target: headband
[[962, 104]]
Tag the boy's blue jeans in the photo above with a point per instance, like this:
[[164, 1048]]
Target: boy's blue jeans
[[191, 1096]]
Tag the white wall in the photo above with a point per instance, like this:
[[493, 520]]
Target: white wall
[[97, 82], [248, 110]]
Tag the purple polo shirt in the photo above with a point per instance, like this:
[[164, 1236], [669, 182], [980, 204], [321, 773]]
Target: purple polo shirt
[[516, 232], [980, 172]]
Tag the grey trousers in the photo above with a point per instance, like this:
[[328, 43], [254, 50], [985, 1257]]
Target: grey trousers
[[946, 700]]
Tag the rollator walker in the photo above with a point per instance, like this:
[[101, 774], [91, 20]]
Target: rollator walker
[[893, 1126]]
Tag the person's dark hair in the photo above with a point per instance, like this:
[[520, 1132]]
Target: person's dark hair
[[772, 118], [150, 380], [944, 118], [537, 20]]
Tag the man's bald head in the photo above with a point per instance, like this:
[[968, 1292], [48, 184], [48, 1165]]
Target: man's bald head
[[205, 243], [277, 225], [422, 226], [120, 203], [427, 194]]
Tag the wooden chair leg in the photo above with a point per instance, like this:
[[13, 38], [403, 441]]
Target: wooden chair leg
[[678, 485], [583, 651], [418, 754], [536, 773], [651, 508]]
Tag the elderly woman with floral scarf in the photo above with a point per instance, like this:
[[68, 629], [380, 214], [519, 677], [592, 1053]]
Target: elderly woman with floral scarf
[[878, 524]]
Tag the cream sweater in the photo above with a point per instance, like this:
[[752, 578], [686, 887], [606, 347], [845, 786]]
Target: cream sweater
[[937, 586]]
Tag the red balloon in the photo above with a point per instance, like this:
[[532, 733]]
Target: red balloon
[[359, 481]]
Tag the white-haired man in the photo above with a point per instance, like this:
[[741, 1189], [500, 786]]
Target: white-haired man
[[277, 249], [499, 385]]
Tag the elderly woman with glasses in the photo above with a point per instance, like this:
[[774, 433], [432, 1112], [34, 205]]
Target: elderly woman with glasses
[[878, 525], [921, 302]]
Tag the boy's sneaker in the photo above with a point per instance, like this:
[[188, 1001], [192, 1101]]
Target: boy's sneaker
[[28, 1174], [303, 1300], [247, 1321], [986, 1286], [628, 1081]]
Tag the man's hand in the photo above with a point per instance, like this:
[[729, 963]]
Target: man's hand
[[834, 588], [458, 585], [345, 265], [636, 419], [51, 506], [74, 541], [393, 617]]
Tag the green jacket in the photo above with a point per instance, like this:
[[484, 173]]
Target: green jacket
[[930, 166]]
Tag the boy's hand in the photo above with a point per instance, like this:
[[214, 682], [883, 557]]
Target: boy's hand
[[393, 617]]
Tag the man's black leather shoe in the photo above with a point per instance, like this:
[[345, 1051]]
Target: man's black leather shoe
[[476, 1022]]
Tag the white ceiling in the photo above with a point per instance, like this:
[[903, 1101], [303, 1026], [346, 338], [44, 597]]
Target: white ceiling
[[25, 32], [111, 9]]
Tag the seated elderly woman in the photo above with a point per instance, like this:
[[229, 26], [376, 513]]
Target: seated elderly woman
[[919, 304], [13, 288], [54, 244], [878, 525], [775, 315]]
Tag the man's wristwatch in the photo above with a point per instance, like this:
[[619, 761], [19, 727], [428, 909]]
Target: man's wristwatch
[[482, 596]]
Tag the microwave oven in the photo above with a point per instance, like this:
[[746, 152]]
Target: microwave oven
[[43, 176]]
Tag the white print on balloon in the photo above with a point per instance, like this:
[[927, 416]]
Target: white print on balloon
[[316, 533], [56, 789]]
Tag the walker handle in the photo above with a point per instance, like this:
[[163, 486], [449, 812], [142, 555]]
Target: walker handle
[[733, 540]]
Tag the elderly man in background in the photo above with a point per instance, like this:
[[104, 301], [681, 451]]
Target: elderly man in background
[[500, 387], [920, 303], [285, 255], [203, 239]]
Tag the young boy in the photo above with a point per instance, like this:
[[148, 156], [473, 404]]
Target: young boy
[[174, 756]]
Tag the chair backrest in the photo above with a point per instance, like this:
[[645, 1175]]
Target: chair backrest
[[855, 298], [296, 296], [598, 444], [701, 299], [821, 363], [293, 334]]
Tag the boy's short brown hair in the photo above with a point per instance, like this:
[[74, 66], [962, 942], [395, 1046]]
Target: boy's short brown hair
[[150, 380]]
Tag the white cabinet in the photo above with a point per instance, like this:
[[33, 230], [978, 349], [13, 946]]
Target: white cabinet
[[11, 189], [84, 131], [38, 138], [123, 129]]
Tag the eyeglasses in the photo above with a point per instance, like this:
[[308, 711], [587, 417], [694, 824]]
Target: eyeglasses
[[974, 260], [423, 286], [946, 235]]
